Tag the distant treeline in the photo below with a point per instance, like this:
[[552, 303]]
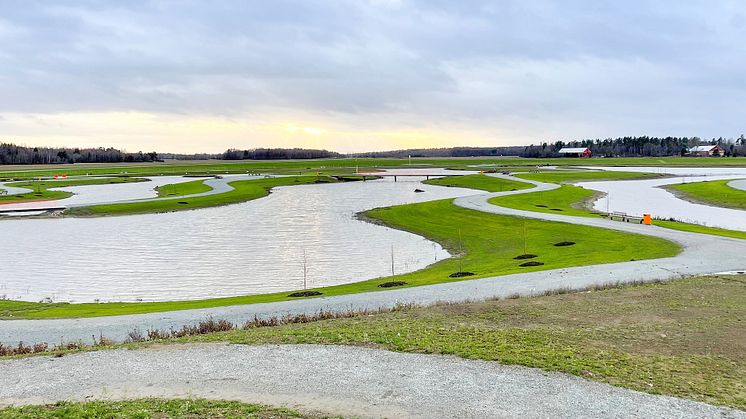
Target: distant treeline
[[610, 147], [638, 146], [446, 152], [257, 154], [15, 154]]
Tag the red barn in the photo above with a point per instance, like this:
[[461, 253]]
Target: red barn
[[576, 152]]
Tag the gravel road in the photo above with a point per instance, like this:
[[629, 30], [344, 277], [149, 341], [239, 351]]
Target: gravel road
[[337, 380]]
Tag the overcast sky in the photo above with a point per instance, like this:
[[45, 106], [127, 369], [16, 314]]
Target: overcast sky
[[202, 76]]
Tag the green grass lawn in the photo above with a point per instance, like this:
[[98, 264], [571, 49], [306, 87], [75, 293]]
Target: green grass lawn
[[716, 193], [481, 182], [487, 247], [148, 408], [346, 165], [181, 189], [41, 189], [683, 338], [566, 200], [244, 190], [569, 200], [568, 176]]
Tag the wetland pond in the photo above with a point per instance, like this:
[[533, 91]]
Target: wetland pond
[[248, 248]]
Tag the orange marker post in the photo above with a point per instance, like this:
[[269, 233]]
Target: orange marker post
[[647, 219]]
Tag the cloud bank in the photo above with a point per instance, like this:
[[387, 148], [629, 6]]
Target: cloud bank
[[367, 75]]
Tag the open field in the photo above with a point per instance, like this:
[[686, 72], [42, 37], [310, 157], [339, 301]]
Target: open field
[[716, 193], [566, 176], [487, 244], [42, 192], [347, 165], [480, 182], [148, 408], [182, 189], [244, 190]]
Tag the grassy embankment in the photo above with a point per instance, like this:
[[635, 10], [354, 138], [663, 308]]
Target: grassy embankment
[[148, 408], [41, 189], [182, 189], [487, 247], [344, 165], [716, 193], [481, 182], [244, 190]]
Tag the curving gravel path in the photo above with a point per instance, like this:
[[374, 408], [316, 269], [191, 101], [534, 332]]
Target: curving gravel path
[[702, 254], [333, 379]]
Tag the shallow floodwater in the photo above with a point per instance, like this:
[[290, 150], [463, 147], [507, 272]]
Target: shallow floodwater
[[100, 194], [249, 248], [637, 197]]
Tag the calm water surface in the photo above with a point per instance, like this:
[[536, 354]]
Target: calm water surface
[[249, 248]]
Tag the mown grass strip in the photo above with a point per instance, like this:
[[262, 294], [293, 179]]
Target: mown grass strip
[[182, 189], [568, 176], [244, 190], [716, 193], [480, 182], [41, 189]]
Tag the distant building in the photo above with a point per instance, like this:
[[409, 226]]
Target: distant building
[[707, 151], [576, 152]]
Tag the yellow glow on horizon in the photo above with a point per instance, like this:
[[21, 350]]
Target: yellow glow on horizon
[[134, 131]]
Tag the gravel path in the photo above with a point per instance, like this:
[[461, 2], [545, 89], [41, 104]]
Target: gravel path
[[702, 254], [333, 379]]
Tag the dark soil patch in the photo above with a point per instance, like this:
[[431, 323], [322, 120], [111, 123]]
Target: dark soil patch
[[182, 202], [419, 190], [525, 256], [304, 294], [540, 206], [460, 274], [392, 284], [556, 209], [561, 244], [531, 264]]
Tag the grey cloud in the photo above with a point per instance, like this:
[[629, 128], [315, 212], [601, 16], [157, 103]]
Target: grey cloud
[[460, 60]]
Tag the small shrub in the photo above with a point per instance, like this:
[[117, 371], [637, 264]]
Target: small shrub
[[460, 274], [525, 264], [525, 256], [562, 244], [392, 284], [304, 294]]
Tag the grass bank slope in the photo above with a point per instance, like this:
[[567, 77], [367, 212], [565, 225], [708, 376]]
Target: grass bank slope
[[716, 193], [485, 244], [480, 182], [41, 189], [244, 190]]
